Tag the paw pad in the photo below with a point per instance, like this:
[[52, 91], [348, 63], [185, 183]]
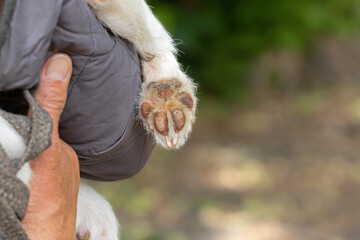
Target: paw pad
[[178, 118], [146, 109], [186, 99], [167, 107], [161, 123]]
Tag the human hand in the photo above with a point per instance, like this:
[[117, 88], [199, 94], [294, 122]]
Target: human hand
[[55, 183]]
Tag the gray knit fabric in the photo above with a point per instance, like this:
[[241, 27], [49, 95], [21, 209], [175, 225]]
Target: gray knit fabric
[[14, 194]]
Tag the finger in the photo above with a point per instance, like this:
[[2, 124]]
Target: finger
[[54, 80]]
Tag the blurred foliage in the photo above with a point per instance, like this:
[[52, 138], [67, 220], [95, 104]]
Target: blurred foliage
[[284, 168], [219, 39]]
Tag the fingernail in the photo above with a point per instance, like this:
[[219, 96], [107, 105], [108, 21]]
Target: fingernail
[[58, 68]]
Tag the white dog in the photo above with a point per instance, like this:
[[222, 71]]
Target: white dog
[[167, 104]]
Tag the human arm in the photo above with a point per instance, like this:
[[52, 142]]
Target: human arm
[[54, 186]]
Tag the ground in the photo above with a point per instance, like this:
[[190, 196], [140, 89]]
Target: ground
[[278, 168]]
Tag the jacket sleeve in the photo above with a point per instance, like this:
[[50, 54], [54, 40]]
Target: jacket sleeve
[[26, 40], [99, 120]]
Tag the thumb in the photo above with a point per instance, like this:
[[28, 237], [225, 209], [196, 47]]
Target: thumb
[[54, 80]]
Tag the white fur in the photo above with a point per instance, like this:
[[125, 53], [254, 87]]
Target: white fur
[[133, 20], [25, 173], [10, 140], [95, 215], [14, 147]]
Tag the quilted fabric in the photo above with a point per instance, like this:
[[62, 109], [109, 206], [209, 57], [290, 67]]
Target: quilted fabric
[[99, 120]]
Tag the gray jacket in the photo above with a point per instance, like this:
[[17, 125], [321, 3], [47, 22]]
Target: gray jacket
[[99, 119]]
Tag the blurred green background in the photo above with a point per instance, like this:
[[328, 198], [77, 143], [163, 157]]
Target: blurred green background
[[274, 154]]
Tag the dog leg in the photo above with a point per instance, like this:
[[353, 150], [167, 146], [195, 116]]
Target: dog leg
[[95, 218], [167, 103]]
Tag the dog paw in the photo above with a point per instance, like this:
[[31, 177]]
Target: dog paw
[[167, 109], [95, 218]]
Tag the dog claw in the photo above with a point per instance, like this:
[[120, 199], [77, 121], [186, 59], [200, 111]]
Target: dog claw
[[169, 144], [175, 140]]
